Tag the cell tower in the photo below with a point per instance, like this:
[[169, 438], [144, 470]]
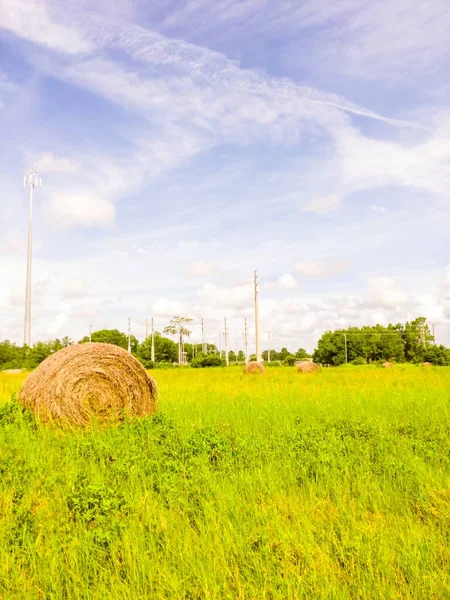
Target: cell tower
[[30, 180], [226, 343], [246, 341], [203, 339], [129, 335], [258, 352], [153, 342]]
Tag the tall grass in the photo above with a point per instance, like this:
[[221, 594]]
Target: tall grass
[[274, 486]]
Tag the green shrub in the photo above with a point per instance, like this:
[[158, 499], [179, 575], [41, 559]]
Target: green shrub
[[290, 360], [359, 360], [210, 360]]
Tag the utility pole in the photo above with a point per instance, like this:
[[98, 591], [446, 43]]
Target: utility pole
[[258, 353], [236, 353], [268, 351], [129, 335], [246, 341], [90, 332], [153, 343], [30, 180], [203, 339], [226, 343], [345, 342]]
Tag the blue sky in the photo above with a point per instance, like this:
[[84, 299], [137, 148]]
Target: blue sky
[[183, 144]]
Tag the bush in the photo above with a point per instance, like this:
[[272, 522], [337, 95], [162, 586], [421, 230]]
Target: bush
[[359, 360], [147, 364], [290, 360], [210, 360]]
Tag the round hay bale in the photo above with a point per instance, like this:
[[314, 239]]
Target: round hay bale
[[89, 382], [427, 364], [307, 366], [387, 365], [254, 368]]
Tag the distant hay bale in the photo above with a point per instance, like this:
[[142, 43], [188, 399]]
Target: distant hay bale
[[86, 382], [427, 364], [254, 368], [307, 366], [387, 365]]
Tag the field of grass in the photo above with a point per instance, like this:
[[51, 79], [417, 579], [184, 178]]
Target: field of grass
[[275, 486]]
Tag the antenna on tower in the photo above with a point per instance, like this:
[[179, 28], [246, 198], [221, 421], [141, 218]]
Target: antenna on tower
[[30, 180]]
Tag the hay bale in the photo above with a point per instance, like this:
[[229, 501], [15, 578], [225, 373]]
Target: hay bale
[[86, 382], [254, 368], [427, 364], [387, 365], [307, 366]]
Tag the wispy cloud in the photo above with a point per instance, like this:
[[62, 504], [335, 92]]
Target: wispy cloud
[[48, 162], [321, 205]]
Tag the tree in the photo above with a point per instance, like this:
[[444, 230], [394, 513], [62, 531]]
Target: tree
[[417, 338], [177, 326], [283, 354], [409, 342], [165, 350], [113, 336], [301, 354], [437, 355], [290, 360]]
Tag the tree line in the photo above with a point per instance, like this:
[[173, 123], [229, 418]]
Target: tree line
[[409, 342]]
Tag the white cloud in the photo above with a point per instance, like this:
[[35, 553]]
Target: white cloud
[[69, 209], [235, 297], [284, 282], [33, 20], [50, 163], [202, 268], [190, 244], [309, 268], [322, 205], [166, 307], [377, 208], [385, 293], [74, 288]]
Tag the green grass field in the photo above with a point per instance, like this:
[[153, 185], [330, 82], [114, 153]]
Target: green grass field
[[263, 487]]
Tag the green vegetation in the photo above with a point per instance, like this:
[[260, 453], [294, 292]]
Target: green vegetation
[[334, 485], [412, 342]]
